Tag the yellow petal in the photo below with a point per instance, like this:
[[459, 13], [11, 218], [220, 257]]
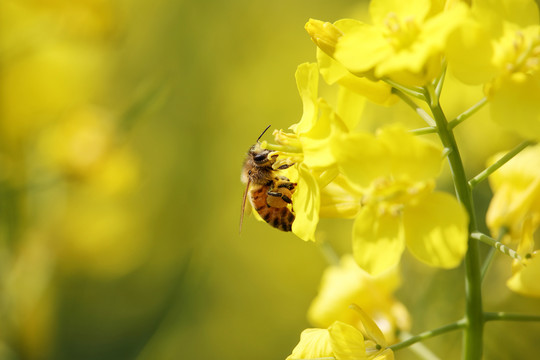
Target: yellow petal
[[519, 12], [515, 105], [372, 330], [362, 48], [316, 141], [333, 72], [361, 157], [306, 204], [307, 81], [470, 52], [516, 188], [412, 157], [339, 199], [347, 342], [436, 230], [379, 9], [387, 354], [346, 284], [378, 240], [314, 343], [350, 106], [525, 281]]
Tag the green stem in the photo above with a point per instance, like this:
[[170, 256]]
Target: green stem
[[421, 350], [497, 164], [429, 334], [487, 261], [502, 316], [465, 115], [496, 244], [473, 334], [407, 100], [424, 131], [489, 258], [415, 92], [439, 82]]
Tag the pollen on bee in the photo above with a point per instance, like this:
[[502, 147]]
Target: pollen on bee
[[278, 199]]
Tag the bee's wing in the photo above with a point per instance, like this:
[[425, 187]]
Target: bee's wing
[[244, 205]]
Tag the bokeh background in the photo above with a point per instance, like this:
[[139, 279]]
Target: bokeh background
[[123, 127]]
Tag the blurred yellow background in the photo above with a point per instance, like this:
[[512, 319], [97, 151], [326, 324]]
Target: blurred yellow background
[[123, 128]]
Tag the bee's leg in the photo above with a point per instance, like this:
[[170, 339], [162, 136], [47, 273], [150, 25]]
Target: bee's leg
[[280, 195], [283, 182], [285, 166]]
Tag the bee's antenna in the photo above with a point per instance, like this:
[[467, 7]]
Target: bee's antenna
[[260, 136]]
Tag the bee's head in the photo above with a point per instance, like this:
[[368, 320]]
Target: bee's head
[[260, 155]]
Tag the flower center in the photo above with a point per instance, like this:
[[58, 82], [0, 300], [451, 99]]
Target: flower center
[[391, 196], [400, 33], [288, 149], [525, 57]]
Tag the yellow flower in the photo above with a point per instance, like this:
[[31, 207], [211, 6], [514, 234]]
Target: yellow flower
[[333, 72], [525, 276], [308, 146], [405, 43], [343, 342], [515, 208], [345, 284], [526, 272], [339, 199], [394, 174], [499, 46], [516, 199]]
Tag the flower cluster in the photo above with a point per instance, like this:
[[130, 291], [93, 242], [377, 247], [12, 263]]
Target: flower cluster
[[385, 181], [514, 215], [384, 176], [344, 284], [498, 46], [342, 341]]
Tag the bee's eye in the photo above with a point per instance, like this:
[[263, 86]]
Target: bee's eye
[[260, 158]]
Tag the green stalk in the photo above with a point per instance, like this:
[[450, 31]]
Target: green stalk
[[489, 258], [424, 131], [492, 316], [503, 160], [407, 100], [428, 334], [415, 92], [464, 116], [473, 332], [487, 261], [496, 244]]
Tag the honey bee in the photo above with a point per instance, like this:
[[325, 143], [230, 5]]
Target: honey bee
[[269, 193]]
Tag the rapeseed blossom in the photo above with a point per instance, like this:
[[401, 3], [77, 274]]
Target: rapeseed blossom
[[394, 174], [515, 211], [308, 146], [515, 206], [405, 42], [384, 181], [499, 46], [344, 284], [342, 341], [385, 177], [525, 276], [525, 272]]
